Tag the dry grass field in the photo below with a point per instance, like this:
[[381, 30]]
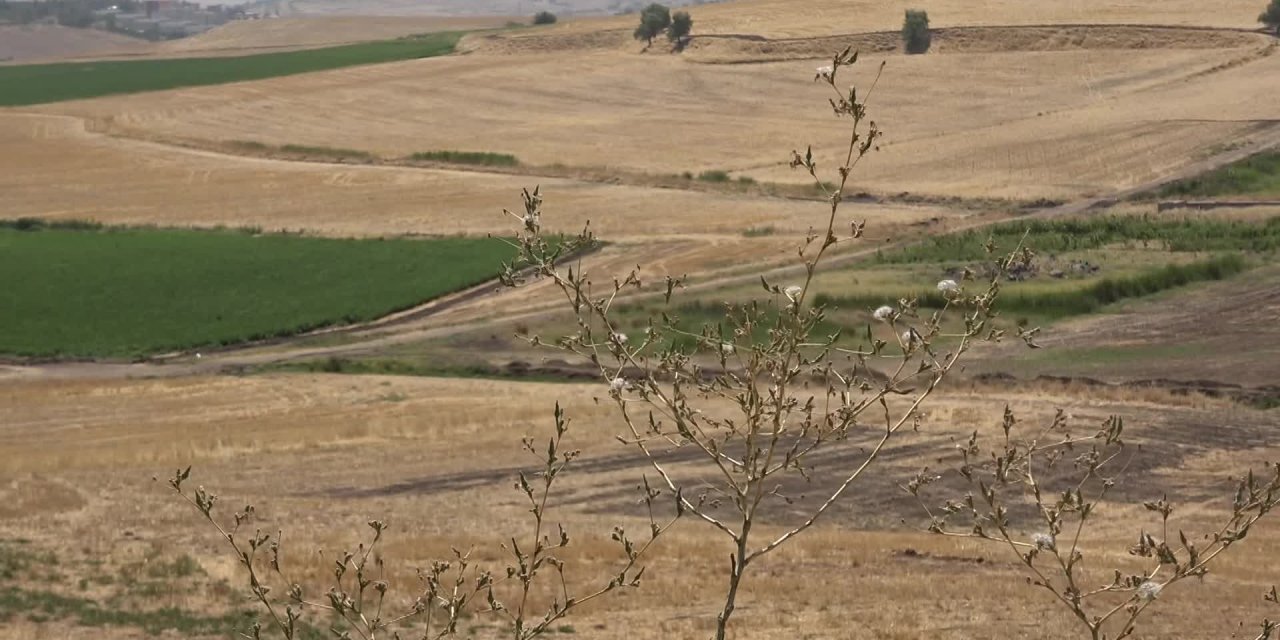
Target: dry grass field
[[321, 454], [317, 31], [1011, 104], [782, 19], [1042, 124], [19, 44]]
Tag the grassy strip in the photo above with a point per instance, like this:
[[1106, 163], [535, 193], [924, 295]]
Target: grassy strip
[[483, 158], [326, 152], [1257, 175], [1060, 236], [125, 292], [1088, 299], [390, 367], [45, 605], [44, 83]]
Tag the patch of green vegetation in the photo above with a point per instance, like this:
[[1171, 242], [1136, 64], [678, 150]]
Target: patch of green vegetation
[[95, 291], [395, 367], [408, 368], [1078, 300], [1060, 236], [88, 613], [42, 83], [1115, 354], [482, 158], [184, 566], [326, 152], [759, 232], [714, 175], [17, 557], [1257, 175]]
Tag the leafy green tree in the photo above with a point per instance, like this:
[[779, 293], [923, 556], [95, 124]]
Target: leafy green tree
[[1271, 17], [915, 31], [544, 17], [682, 24], [654, 19]]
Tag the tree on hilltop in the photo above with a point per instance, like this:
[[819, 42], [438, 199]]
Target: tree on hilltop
[[682, 24], [654, 19], [1271, 17], [915, 31]]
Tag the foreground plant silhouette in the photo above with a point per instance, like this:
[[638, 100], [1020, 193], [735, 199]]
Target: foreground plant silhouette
[[666, 382], [756, 399], [1065, 480]]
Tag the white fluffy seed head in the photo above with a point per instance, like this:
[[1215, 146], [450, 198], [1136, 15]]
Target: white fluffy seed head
[[910, 338], [1044, 541], [620, 338], [617, 385], [1149, 591], [727, 349], [883, 314], [826, 71], [792, 292], [948, 286]]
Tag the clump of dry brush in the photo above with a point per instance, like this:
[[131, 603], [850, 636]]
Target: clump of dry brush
[[754, 400]]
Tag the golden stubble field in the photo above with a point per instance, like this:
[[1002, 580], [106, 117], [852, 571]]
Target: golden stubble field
[[319, 455], [1043, 124], [322, 454]]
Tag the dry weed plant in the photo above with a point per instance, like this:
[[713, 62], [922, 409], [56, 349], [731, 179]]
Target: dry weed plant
[[792, 394], [357, 605], [762, 359], [1060, 482]]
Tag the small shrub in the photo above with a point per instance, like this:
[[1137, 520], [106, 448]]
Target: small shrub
[[544, 17], [714, 175], [915, 31], [483, 158]]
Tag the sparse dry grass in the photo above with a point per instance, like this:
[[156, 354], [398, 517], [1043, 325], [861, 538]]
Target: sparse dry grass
[[404, 449]]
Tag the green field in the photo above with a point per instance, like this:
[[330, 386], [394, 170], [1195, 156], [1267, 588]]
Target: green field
[[77, 292], [41, 83], [1257, 175]]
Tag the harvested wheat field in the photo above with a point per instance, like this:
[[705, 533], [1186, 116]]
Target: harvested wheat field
[[319, 455], [126, 182], [317, 31], [26, 43], [782, 19], [1025, 124], [1024, 111]]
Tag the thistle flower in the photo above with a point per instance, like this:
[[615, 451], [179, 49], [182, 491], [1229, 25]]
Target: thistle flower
[[883, 314], [617, 385], [1044, 541], [825, 72], [1149, 591], [727, 349], [948, 286], [620, 338], [793, 292]]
